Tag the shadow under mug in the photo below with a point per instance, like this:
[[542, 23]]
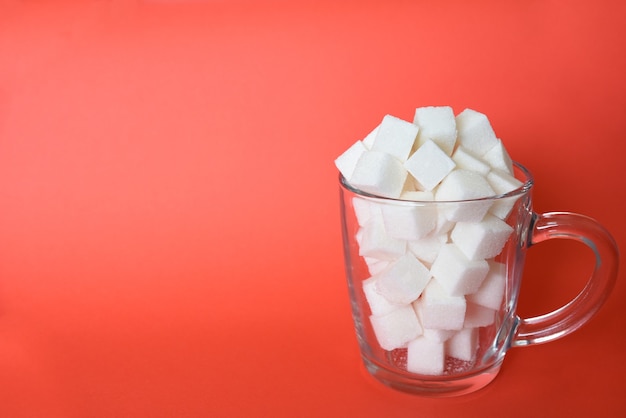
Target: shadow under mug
[[422, 337]]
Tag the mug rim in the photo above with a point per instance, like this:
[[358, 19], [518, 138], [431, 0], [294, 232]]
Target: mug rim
[[523, 189]]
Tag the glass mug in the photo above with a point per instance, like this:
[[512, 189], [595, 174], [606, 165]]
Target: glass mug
[[422, 337]]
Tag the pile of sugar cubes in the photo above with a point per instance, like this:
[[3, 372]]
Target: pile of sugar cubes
[[434, 279]]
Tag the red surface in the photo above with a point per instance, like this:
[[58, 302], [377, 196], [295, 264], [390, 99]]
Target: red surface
[[170, 242]]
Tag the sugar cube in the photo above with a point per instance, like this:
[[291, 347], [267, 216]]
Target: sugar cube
[[429, 165], [425, 356], [346, 162], [491, 291], [463, 344], [403, 280], [396, 328], [498, 158], [438, 124], [364, 209], [379, 173], [502, 183], [456, 273], [378, 304], [408, 221], [463, 185], [481, 240], [427, 248], [478, 316], [466, 161], [438, 310], [374, 241], [395, 137], [475, 132]]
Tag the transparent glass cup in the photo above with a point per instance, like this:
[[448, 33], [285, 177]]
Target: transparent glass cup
[[434, 285]]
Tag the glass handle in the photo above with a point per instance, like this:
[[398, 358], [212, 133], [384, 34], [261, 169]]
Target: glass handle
[[578, 311]]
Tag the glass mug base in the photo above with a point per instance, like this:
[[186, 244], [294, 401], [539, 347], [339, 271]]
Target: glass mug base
[[432, 386]]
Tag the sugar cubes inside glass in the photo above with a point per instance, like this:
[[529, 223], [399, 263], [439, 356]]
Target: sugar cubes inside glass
[[434, 279]]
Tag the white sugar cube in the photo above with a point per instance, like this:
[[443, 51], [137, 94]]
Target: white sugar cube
[[361, 209], [403, 280], [478, 316], [396, 328], [408, 221], [503, 183], [475, 132], [438, 124], [426, 249], [376, 243], [463, 344], [456, 273], [465, 185], [438, 310], [491, 291], [498, 158], [346, 162], [466, 161], [379, 173], [395, 137], [481, 240], [425, 356], [365, 209], [429, 165], [378, 304]]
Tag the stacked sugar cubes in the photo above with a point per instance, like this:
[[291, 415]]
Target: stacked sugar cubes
[[434, 280]]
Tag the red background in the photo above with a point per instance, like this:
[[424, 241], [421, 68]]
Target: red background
[[170, 241]]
